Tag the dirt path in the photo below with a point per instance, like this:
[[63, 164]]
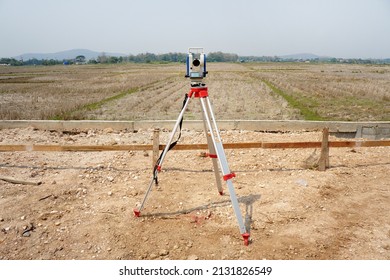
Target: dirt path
[[83, 209]]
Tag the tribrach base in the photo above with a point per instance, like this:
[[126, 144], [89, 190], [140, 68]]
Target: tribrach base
[[216, 153]]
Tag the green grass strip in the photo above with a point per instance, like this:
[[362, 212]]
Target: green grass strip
[[306, 112], [98, 104], [95, 105]]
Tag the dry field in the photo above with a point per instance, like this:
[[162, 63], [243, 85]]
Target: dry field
[[83, 208], [238, 91], [331, 91], [59, 91]]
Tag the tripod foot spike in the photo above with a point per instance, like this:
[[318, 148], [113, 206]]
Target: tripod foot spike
[[137, 213], [246, 238]]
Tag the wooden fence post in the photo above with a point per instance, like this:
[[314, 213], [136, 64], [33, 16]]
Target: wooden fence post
[[156, 144], [323, 162]]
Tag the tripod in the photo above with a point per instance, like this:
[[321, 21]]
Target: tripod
[[216, 153]]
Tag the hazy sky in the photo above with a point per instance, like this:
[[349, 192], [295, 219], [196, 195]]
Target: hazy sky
[[340, 28]]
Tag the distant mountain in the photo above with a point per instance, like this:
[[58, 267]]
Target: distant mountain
[[69, 54]]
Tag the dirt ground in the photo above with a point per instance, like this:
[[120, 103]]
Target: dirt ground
[[84, 207]]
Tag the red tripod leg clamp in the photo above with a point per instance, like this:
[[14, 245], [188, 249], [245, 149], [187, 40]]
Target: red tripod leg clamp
[[212, 155], [229, 176]]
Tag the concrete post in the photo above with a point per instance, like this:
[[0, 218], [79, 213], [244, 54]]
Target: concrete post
[[323, 162]]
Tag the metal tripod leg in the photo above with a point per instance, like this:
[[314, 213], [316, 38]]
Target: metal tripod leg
[[215, 147], [227, 175], [212, 155], [137, 212]]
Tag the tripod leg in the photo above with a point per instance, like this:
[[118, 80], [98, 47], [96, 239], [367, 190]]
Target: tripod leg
[[137, 212], [178, 121], [227, 175], [212, 154]]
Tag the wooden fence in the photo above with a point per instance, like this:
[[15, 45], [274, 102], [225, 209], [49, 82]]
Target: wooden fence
[[325, 144]]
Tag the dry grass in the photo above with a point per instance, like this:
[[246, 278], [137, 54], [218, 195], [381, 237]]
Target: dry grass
[[55, 91], [237, 91], [234, 95], [333, 91]]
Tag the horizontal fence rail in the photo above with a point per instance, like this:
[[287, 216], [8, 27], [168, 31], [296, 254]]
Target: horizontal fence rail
[[145, 147], [322, 163]]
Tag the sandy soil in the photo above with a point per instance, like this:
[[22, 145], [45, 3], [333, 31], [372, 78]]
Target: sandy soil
[[84, 207]]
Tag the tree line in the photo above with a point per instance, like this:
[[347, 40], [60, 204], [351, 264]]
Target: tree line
[[178, 57], [106, 59]]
